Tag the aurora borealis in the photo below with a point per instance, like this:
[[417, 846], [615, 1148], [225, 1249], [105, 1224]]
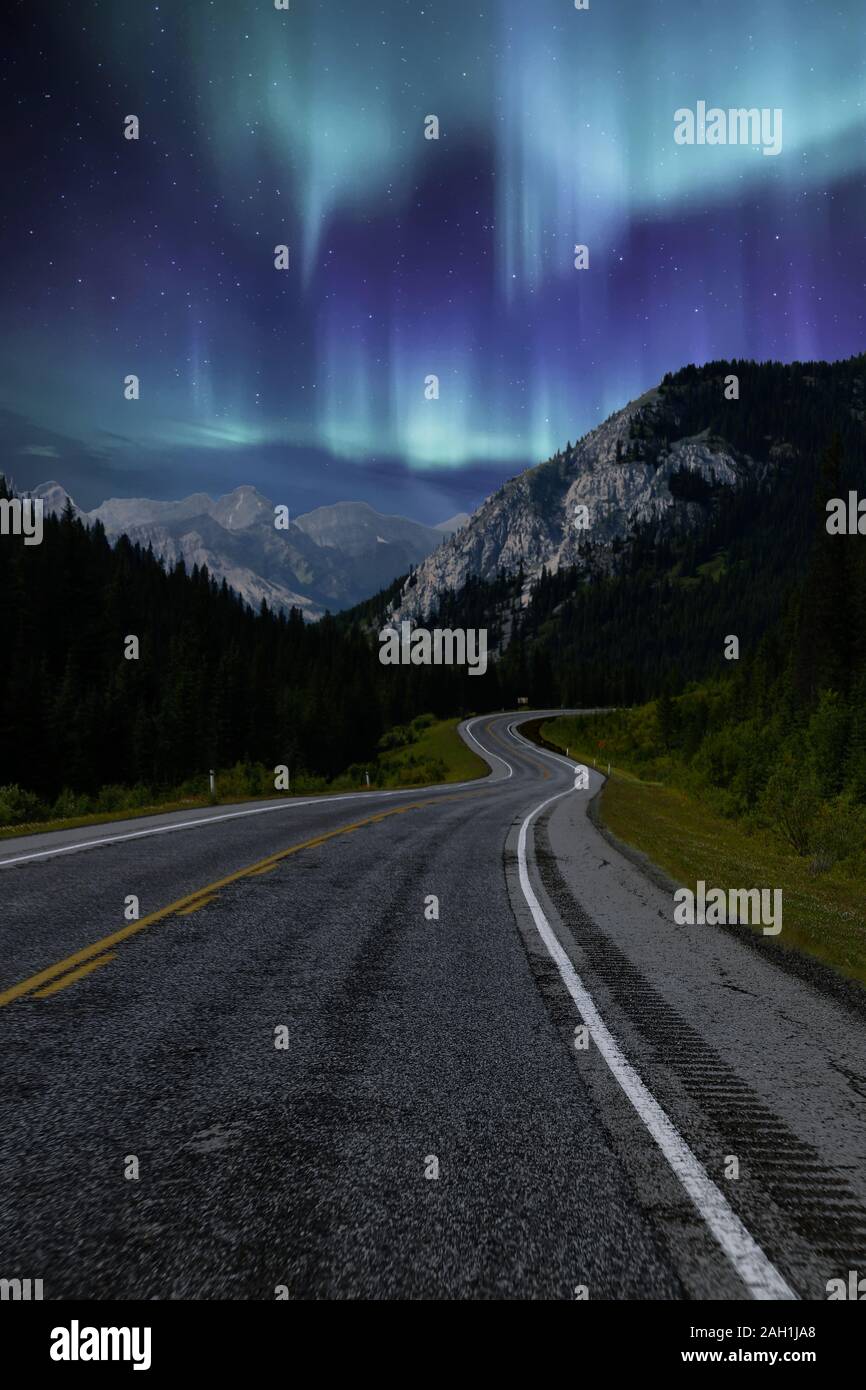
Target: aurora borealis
[[408, 256]]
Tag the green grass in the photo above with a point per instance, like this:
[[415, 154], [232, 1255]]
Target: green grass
[[437, 754], [823, 915], [38, 827]]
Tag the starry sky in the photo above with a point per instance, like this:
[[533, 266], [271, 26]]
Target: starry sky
[[408, 257]]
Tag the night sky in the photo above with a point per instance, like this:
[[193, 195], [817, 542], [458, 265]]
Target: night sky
[[408, 256]]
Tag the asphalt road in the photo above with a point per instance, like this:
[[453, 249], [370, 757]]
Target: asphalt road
[[413, 1046]]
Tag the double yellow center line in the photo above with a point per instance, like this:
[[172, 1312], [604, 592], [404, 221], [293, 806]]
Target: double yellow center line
[[66, 972]]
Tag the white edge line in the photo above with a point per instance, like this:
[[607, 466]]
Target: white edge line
[[546, 752], [56, 850], [757, 1272], [486, 751]]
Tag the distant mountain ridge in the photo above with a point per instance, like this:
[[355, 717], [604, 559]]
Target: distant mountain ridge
[[329, 558]]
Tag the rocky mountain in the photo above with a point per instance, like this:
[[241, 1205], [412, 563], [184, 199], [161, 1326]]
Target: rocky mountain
[[618, 569], [56, 499], [329, 558], [355, 529], [632, 470]]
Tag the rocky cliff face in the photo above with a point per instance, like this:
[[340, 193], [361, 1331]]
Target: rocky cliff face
[[632, 470]]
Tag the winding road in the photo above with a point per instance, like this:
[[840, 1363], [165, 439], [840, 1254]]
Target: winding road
[[440, 1043]]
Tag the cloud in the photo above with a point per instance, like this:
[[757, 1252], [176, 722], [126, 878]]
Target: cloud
[[40, 451]]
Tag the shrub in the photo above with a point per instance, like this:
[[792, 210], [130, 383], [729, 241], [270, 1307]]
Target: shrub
[[398, 737], [246, 779], [790, 802], [424, 773], [138, 796], [18, 806], [68, 805], [111, 798], [828, 737], [421, 722], [839, 832]]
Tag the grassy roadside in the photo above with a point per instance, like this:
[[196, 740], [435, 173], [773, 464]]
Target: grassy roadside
[[433, 752], [824, 914], [39, 827], [436, 754]]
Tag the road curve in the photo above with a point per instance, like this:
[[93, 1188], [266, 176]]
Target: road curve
[[296, 1074]]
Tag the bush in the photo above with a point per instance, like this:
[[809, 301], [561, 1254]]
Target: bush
[[720, 757], [415, 772], [110, 798], [422, 722], [17, 806], [790, 802], [246, 779], [138, 796], [68, 805], [828, 737], [355, 775], [839, 832], [398, 737]]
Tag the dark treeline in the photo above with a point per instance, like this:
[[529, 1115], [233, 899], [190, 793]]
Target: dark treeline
[[785, 411], [801, 697], [214, 684], [780, 738], [601, 638]]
